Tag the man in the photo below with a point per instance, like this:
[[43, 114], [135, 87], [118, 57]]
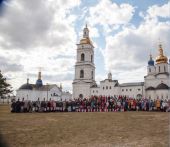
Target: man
[[38, 105], [26, 106], [22, 105], [158, 104], [13, 106], [43, 105], [18, 106]]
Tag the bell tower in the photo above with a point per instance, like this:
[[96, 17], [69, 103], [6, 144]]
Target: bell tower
[[84, 67]]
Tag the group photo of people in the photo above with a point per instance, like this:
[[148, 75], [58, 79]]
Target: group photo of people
[[92, 104]]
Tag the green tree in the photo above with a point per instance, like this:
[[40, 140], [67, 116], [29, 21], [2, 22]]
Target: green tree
[[5, 88]]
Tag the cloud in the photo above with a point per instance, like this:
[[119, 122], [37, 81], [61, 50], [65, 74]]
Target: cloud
[[8, 66], [110, 14], [37, 34], [28, 24], [129, 49], [159, 11]]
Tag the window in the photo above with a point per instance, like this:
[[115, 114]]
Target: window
[[93, 91], [92, 74], [91, 58], [138, 89], [164, 69], [103, 88], [96, 91], [149, 70], [130, 89], [126, 89], [159, 69], [110, 87], [81, 73], [82, 57], [122, 89], [106, 87]]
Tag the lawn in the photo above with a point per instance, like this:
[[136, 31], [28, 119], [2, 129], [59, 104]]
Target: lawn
[[85, 129]]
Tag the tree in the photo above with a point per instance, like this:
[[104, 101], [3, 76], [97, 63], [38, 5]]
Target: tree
[[5, 88]]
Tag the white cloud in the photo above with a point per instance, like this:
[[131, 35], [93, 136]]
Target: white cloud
[[93, 32], [37, 33], [110, 14], [159, 11]]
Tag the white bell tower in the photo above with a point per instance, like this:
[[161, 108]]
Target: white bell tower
[[84, 67]]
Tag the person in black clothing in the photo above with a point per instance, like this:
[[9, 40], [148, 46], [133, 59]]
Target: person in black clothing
[[13, 106], [18, 106]]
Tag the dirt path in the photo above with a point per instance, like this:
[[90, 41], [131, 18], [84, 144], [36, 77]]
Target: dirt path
[[105, 129]]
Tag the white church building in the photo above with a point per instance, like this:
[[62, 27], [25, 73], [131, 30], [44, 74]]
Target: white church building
[[156, 83], [39, 91]]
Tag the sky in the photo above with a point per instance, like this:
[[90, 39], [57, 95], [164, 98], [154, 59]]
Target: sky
[[38, 33]]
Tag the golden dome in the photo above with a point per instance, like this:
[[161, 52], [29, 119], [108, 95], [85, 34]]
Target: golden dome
[[85, 41], [161, 58]]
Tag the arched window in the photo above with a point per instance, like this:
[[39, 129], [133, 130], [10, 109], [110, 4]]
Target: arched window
[[82, 57], [159, 69], [91, 58], [81, 73], [92, 74]]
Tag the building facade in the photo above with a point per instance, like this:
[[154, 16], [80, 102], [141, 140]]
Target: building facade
[[33, 92], [157, 80], [156, 83]]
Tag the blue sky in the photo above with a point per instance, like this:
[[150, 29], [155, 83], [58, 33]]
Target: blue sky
[[44, 34]]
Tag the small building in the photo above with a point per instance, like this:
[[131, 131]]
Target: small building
[[39, 91]]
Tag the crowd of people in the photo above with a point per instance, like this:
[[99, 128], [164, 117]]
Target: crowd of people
[[93, 104]]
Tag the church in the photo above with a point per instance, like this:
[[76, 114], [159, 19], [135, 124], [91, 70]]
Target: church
[[36, 91], [156, 83]]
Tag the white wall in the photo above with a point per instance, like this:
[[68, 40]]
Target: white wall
[[81, 88], [132, 91], [55, 94], [108, 88], [66, 96]]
